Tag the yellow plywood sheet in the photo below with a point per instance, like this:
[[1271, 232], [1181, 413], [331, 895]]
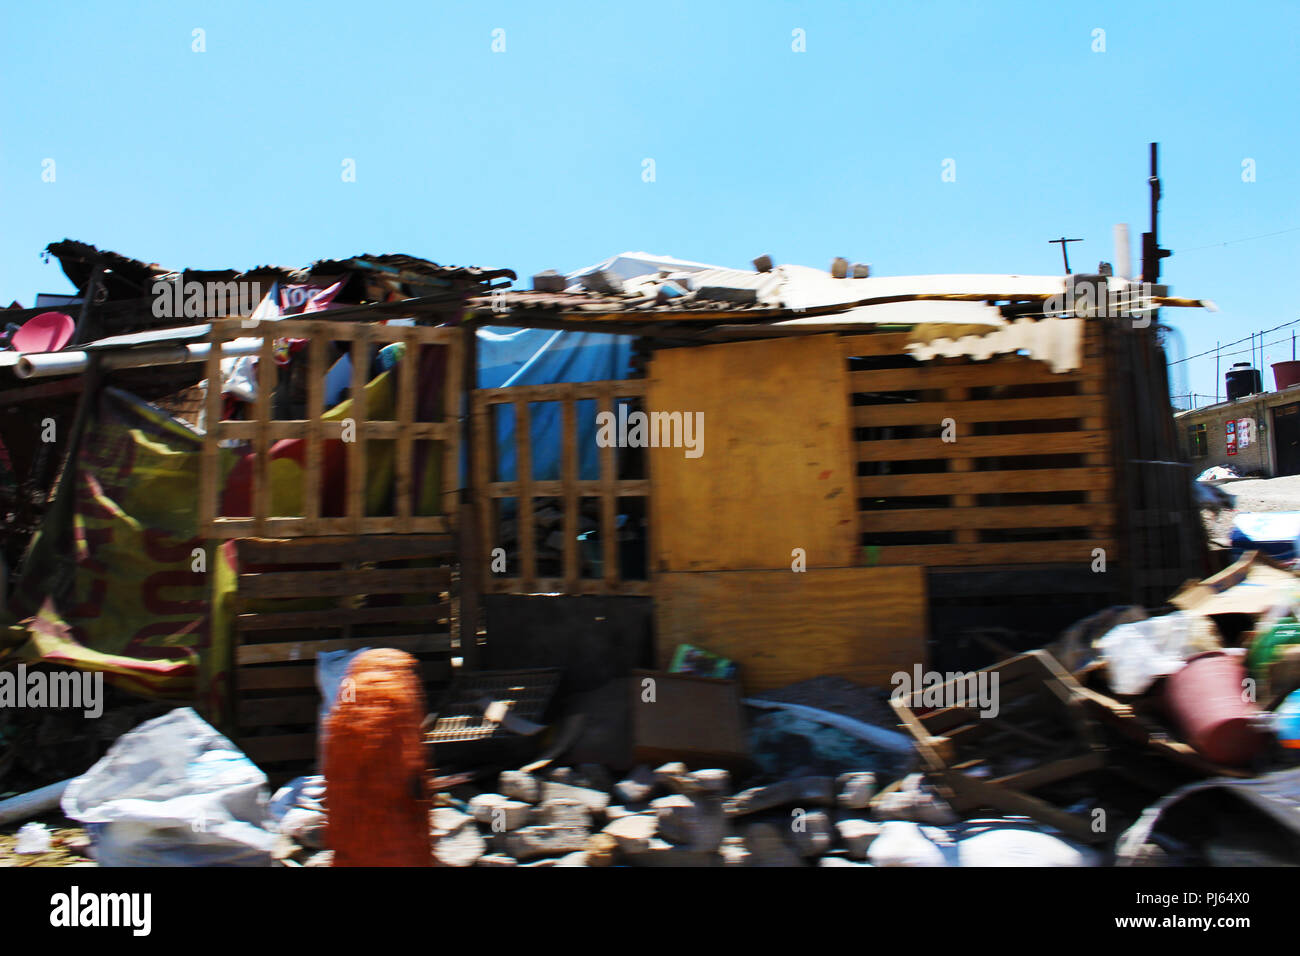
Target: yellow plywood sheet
[[781, 626], [774, 470]]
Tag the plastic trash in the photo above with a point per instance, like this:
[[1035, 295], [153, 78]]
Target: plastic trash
[[1139, 652], [903, 843], [33, 838], [298, 809], [174, 792]]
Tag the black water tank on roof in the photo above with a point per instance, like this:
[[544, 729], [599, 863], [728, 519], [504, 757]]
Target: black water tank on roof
[[1242, 380]]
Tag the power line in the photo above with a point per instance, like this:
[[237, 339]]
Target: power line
[[1220, 349], [1229, 242]]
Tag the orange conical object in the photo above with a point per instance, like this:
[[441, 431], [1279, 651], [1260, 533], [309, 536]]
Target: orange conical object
[[376, 789]]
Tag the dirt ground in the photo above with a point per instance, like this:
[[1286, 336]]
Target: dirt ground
[[1253, 494]]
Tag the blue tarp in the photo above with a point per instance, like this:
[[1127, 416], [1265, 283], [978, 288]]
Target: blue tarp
[[539, 356]]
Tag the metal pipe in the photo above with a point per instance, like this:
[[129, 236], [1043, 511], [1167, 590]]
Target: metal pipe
[[42, 364]]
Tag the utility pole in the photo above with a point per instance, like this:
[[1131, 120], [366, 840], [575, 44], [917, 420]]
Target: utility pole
[[1151, 251], [1065, 253]]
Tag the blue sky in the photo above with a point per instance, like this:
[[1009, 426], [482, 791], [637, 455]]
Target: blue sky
[[532, 158]]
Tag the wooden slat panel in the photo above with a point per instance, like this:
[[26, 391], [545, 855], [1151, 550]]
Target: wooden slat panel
[[981, 482], [991, 410], [281, 584], [864, 624], [1015, 552], [943, 519], [341, 617], [1008, 371], [342, 548], [983, 446], [307, 650], [558, 586]]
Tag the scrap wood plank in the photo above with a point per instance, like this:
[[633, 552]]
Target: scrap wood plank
[[341, 617], [281, 584], [989, 516], [307, 650], [981, 482], [865, 624], [775, 470], [1047, 408], [969, 793], [1012, 552], [984, 446], [1008, 793], [339, 548], [932, 376]]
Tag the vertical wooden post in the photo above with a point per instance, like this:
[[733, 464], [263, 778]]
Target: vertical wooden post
[[315, 427], [357, 453], [209, 506], [406, 381], [472, 438], [569, 485], [524, 503], [608, 497], [266, 380]]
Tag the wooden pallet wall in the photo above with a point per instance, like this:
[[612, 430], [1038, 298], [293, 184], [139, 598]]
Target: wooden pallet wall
[[404, 429], [1027, 479], [527, 569], [298, 597]]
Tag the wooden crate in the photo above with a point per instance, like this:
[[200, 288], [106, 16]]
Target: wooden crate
[[1027, 480], [1041, 720], [301, 596]]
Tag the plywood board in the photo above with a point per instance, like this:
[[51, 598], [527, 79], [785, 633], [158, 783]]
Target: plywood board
[[775, 469], [781, 626]]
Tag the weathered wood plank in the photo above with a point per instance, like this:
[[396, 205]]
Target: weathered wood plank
[[989, 410], [280, 584], [983, 446], [861, 623], [1023, 516], [982, 482]]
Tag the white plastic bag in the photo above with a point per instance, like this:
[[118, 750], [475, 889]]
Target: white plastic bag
[[1137, 653], [174, 792]]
